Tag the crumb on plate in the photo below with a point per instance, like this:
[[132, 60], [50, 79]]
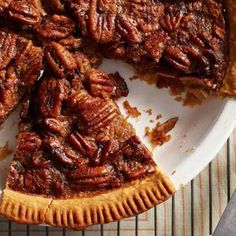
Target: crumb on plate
[[5, 151], [131, 111], [159, 134]]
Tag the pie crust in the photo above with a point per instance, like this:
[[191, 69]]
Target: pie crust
[[80, 212]]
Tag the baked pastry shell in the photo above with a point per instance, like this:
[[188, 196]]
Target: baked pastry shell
[[81, 211]]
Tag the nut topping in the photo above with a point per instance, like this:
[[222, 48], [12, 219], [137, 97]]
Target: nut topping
[[24, 12], [104, 85], [128, 30], [60, 59], [171, 20], [51, 94], [27, 144], [28, 64], [176, 57], [8, 48], [84, 145], [92, 176], [37, 181], [56, 126], [56, 27], [155, 44], [56, 150], [102, 16]]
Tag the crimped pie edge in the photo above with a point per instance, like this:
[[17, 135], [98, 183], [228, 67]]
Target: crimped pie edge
[[80, 212]]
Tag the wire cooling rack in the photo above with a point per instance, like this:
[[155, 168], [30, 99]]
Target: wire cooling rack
[[7, 228]]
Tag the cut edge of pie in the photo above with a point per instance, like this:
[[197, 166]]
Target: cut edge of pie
[[80, 212]]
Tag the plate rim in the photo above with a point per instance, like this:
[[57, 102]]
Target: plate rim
[[209, 147]]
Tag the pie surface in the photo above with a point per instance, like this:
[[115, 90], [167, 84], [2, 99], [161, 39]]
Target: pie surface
[[78, 161]]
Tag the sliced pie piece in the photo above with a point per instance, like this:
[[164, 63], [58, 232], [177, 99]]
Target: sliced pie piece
[[78, 162], [20, 67]]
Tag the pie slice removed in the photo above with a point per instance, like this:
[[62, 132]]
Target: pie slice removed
[[78, 162]]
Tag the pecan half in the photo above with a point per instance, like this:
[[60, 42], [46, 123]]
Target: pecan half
[[56, 150], [24, 12], [176, 57], [85, 145], [97, 114], [56, 126], [86, 171], [56, 27], [80, 9], [106, 85], [88, 177], [8, 48], [146, 14], [106, 151], [102, 15], [28, 64], [171, 20], [128, 29], [60, 59], [51, 93]]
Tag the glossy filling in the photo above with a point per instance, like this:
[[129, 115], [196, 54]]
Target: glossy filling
[[184, 42], [180, 40], [72, 141]]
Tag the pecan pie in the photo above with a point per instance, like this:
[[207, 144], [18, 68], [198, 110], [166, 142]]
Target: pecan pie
[[78, 161]]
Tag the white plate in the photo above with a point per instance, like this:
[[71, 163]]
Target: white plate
[[198, 136]]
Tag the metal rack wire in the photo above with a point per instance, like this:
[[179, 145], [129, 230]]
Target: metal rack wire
[[7, 227]]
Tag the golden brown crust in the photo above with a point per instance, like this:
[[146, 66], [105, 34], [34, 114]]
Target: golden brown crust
[[80, 212], [229, 84], [22, 208]]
